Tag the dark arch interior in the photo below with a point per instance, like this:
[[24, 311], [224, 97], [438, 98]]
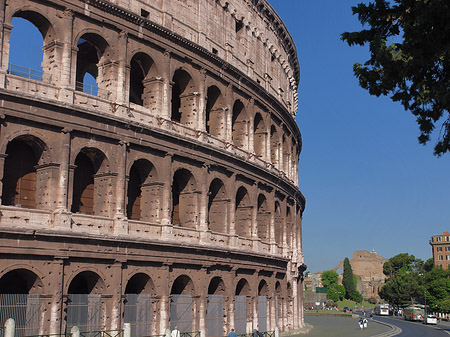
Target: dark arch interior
[[242, 288], [17, 282], [137, 284], [83, 283], [216, 286], [182, 286]]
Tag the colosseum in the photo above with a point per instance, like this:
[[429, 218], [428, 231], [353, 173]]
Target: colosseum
[[165, 193]]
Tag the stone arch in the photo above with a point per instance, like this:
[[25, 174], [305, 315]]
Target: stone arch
[[184, 199], [216, 286], [183, 285], [20, 281], [217, 207], [91, 57], [215, 113], [243, 288], [274, 146], [278, 223], [184, 99], [240, 123], [263, 288], [243, 213], [182, 308], [20, 187], [142, 90], [260, 136], [86, 282], [46, 53], [90, 182], [243, 306], [140, 283], [143, 192], [263, 218]]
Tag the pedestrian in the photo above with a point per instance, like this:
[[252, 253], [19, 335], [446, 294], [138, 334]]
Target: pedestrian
[[255, 333], [361, 325], [175, 332], [365, 322], [232, 333]]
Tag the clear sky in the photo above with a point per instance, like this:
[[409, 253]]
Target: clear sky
[[368, 183]]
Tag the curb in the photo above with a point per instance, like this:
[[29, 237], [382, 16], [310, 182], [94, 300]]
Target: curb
[[395, 330]]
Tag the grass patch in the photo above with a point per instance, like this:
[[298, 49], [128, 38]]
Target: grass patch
[[326, 313], [352, 304]]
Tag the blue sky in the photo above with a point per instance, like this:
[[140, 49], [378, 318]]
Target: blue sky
[[368, 183]]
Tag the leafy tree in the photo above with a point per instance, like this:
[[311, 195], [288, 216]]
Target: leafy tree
[[437, 287], [409, 59], [357, 297], [347, 279], [402, 289], [399, 263], [336, 292], [329, 278]]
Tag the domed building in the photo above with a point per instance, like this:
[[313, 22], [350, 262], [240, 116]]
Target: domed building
[[165, 191]]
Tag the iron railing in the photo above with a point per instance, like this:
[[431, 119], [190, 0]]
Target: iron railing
[[190, 334], [91, 89], [110, 333], [260, 334], [32, 74]]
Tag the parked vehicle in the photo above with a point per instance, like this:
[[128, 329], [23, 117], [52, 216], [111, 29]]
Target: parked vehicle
[[382, 309], [414, 313], [430, 319]]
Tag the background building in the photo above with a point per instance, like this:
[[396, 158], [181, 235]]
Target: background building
[[440, 245], [167, 192], [368, 268]]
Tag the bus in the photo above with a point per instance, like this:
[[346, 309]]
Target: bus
[[414, 313], [382, 310]]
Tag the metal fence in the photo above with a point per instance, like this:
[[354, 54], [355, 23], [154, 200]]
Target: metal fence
[[32, 74], [214, 316], [24, 309], [84, 311], [240, 314], [138, 312], [262, 313], [181, 312]]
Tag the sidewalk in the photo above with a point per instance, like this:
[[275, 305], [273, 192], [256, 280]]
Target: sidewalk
[[325, 326]]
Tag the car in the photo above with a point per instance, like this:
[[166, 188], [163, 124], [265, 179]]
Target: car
[[430, 319], [346, 309]]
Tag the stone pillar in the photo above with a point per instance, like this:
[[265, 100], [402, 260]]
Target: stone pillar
[[164, 304], [66, 60], [116, 300], [201, 305], [123, 81], [47, 178], [153, 95], [64, 160], [203, 207], [166, 196], [6, 33], [229, 115], [121, 160], [56, 319], [201, 121], [2, 171], [271, 303], [167, 89], [295, 310], [250, 126], [232, 218]]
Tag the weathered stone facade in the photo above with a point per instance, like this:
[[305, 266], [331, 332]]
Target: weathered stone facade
[[177, 177], [368, 267]]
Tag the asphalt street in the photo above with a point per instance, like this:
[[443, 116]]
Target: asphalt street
[[412, 329]]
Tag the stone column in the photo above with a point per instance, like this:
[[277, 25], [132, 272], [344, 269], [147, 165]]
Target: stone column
[[6, 33], [201, 121], [64, 161], [116, 300], [250, 126], [229, 115], [167, 88], [2, 171], [121, 161], [166, 196], [57, 286], [66, 59], [203, 207], [164, 304], [123, 81], [296, 319]]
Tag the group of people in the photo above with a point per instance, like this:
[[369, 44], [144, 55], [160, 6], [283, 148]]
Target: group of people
[[363, 323], [176, 333]]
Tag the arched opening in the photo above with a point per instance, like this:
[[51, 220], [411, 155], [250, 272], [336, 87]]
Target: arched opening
[[26, 55], [84, 302], [90, 162], [263, 218], [215, 312], [242, 306], [243, 213], [183, 99], [274, 146], [240, 125], [215, 113], [20, 300], [260, 135], [263, 292], [139, 85], [184, 199], [217, 207], [278, 224], [19, 178], [143, 193], [138, 310], [91, 49], [181, 307]]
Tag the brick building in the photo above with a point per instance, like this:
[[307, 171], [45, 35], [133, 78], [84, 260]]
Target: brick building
[[440, 246]]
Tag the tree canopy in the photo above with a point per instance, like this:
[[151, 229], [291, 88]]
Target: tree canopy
[[347, 279], [409, 44], [329, 278]]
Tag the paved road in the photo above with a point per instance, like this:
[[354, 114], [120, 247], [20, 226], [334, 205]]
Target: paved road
[[325, 326], [413, 329]]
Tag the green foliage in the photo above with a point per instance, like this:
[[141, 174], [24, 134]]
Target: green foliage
[[398, 264], [336, 292], [409, 59], [329, 278], [372, 300], [347, 279], [437, 287], [357, 297]]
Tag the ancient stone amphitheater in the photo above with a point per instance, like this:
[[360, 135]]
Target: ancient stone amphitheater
[[166, 193]]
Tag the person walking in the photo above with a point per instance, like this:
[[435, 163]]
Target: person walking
[[175, 332], [232, 333]]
